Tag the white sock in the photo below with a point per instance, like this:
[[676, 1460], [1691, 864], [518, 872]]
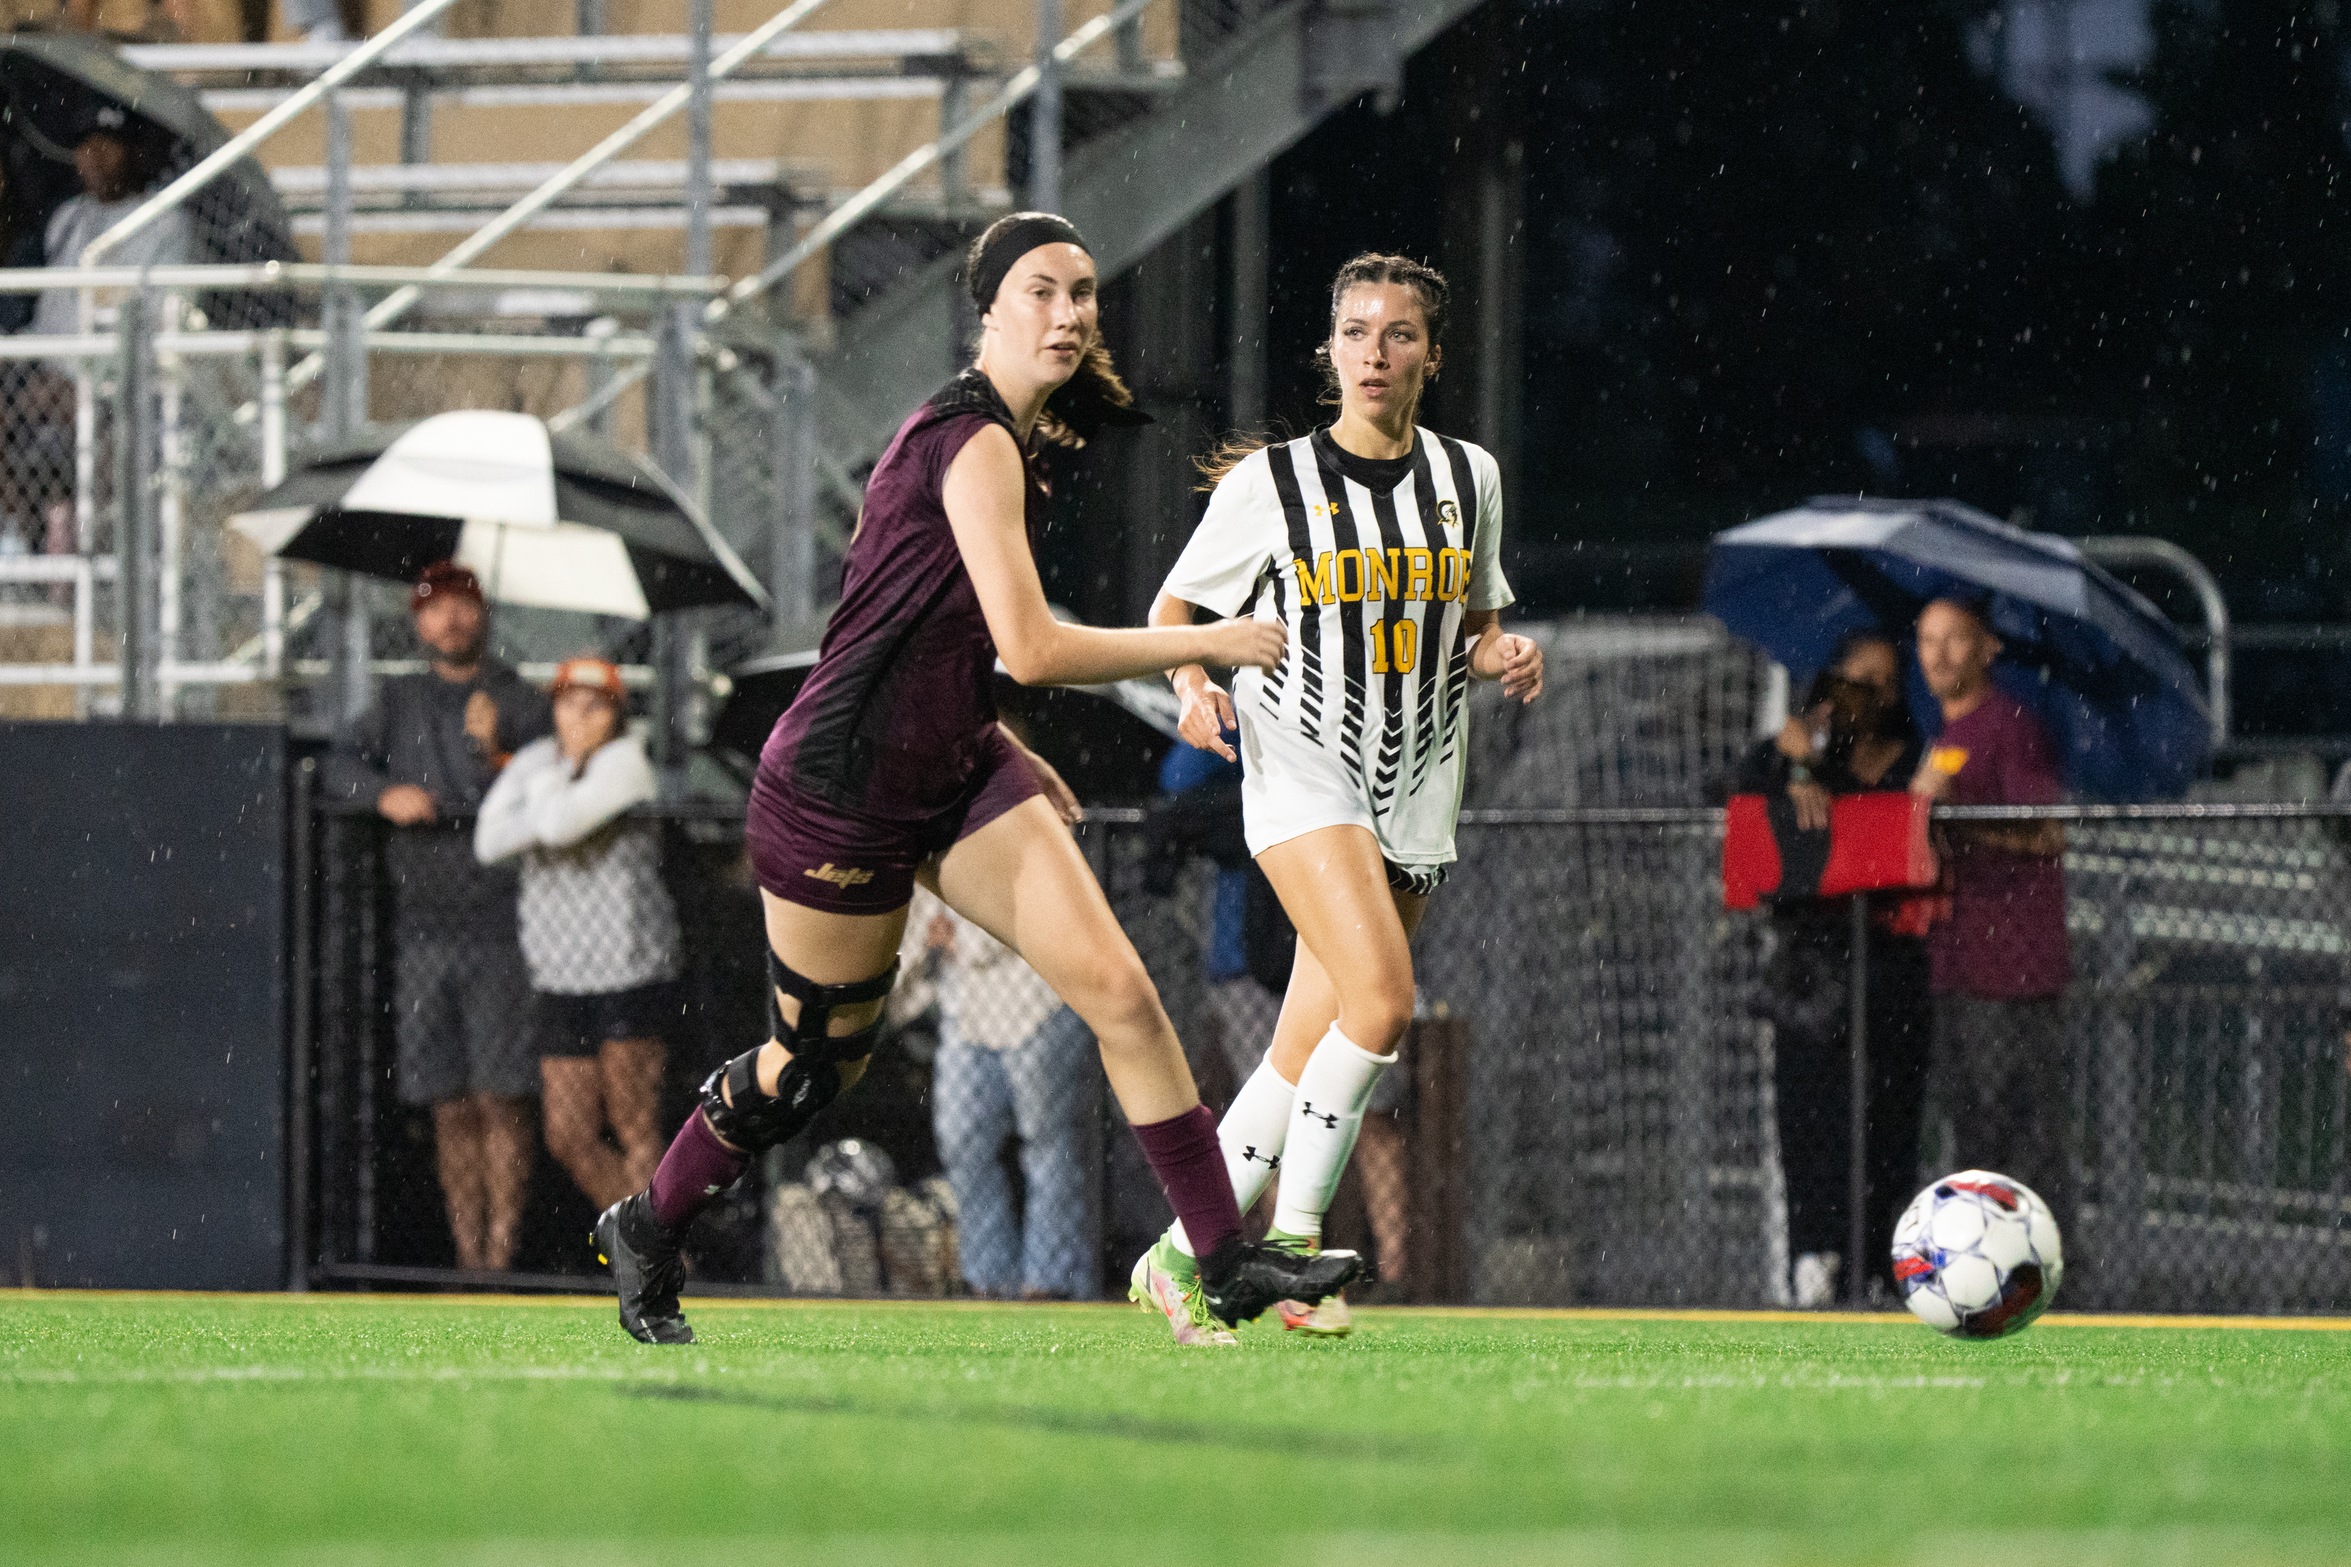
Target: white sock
[[1251, 1135], [1332, 1092]]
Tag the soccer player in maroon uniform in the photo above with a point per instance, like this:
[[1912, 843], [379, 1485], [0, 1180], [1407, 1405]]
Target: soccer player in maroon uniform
[[890, 765]]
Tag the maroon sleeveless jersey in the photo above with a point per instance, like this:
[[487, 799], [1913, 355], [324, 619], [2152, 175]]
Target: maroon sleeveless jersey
[[890, 751]]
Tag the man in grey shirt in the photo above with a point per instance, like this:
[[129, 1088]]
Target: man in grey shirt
[[426, 752], [115, 176], [115, 161]]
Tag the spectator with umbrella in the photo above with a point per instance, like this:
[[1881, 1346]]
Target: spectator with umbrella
[[599, 931], [2048, 675], [428, 751], [59, 86], [522, 516], [85, 137], [116, 158], [1854, 735], [2000, 961]]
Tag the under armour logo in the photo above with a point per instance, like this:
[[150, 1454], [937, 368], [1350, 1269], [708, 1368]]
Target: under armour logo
[[1250, 1155], [1306, 1108]]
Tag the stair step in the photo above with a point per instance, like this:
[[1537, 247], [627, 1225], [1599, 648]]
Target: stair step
[[487, 55], [453, 214], [306, 184], [558, 95], [591, 219]]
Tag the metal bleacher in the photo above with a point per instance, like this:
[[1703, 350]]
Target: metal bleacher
[[507, 222], [422, 177]]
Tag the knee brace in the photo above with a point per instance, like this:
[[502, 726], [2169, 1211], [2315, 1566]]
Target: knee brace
[[755, 1121]]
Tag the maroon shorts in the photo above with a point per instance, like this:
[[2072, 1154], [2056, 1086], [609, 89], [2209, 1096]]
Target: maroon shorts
[[809, 851]]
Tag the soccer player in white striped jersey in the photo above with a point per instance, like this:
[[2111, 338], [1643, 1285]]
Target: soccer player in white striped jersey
[[1378, 544]]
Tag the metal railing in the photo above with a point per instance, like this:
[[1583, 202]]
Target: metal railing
[[393, 306], [940, 152], [123, 451], [2127, 551], [241, 146]]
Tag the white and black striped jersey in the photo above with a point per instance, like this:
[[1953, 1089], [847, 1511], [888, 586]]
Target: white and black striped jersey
[[1372, 566]]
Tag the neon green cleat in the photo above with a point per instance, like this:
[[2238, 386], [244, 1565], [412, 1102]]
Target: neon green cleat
[[1325, 1319], [1167, 1281]]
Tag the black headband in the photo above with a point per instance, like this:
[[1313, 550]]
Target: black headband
[[1021, 234]]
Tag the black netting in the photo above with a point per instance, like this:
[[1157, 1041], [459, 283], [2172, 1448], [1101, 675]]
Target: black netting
[[1618, 1092]]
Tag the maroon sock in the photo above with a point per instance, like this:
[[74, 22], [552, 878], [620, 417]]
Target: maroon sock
[[1190, 1166], [696, 1169]]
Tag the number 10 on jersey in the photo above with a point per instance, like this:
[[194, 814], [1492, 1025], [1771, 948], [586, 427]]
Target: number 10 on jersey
[[1394, 648]]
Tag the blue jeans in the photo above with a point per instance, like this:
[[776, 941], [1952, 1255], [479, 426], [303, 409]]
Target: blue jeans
[[1042, 1091]]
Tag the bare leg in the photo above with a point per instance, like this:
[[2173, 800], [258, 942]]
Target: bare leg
[[572, 1097], [506, 1167], [1353, 969], [631, 1070], [1335, 889], [1022, 880], [457, 1154]]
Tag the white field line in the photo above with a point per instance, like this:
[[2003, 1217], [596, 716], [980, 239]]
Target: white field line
[[60, 1377]]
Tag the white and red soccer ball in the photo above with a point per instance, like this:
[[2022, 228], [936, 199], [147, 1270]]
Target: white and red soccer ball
[[1977, 1255]]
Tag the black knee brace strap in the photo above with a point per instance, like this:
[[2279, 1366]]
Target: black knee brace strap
[[812, 1039], [754, 1121]]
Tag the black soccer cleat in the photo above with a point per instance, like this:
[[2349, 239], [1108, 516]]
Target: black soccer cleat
[[1241, 1279], [648, 1265]]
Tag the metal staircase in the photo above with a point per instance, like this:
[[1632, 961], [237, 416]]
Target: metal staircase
[[764, 397], [1255, 83]]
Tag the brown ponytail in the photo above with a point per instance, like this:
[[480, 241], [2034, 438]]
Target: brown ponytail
[[1427, 285], [1227, 454], [1091, 398]]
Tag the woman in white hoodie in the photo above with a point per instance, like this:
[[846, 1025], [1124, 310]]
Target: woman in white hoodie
[[599, 931]]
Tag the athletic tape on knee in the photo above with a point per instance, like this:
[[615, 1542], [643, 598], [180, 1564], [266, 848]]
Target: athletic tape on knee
[[1324, 1121], [1252, 1134]]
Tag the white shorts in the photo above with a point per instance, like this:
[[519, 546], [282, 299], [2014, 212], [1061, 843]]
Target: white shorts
[[1290, 787]]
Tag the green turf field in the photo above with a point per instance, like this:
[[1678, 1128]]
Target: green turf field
[[390, 1429]]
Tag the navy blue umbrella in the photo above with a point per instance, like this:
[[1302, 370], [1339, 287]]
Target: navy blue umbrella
[[2102, 666]]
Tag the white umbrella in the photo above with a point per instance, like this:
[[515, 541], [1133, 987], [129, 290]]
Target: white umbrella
[[560, 522]]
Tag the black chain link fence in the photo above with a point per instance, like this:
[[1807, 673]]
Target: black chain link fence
[[1598, 1110]]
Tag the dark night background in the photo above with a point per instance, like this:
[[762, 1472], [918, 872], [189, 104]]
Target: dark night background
[[1768, 252]]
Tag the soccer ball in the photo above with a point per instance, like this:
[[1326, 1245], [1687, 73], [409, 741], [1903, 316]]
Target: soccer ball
[[1977, 1255]]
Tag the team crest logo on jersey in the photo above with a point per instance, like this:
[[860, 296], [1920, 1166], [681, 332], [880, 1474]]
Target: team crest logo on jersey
[[1449, 514]]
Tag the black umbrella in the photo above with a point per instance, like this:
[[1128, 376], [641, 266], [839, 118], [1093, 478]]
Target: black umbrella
[[564, 521], [1105, 741], [52, 86]]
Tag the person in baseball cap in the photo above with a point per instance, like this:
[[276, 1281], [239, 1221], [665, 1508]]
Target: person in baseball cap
[[586, 671], [599, 931], [446, 577], [427, 751]]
